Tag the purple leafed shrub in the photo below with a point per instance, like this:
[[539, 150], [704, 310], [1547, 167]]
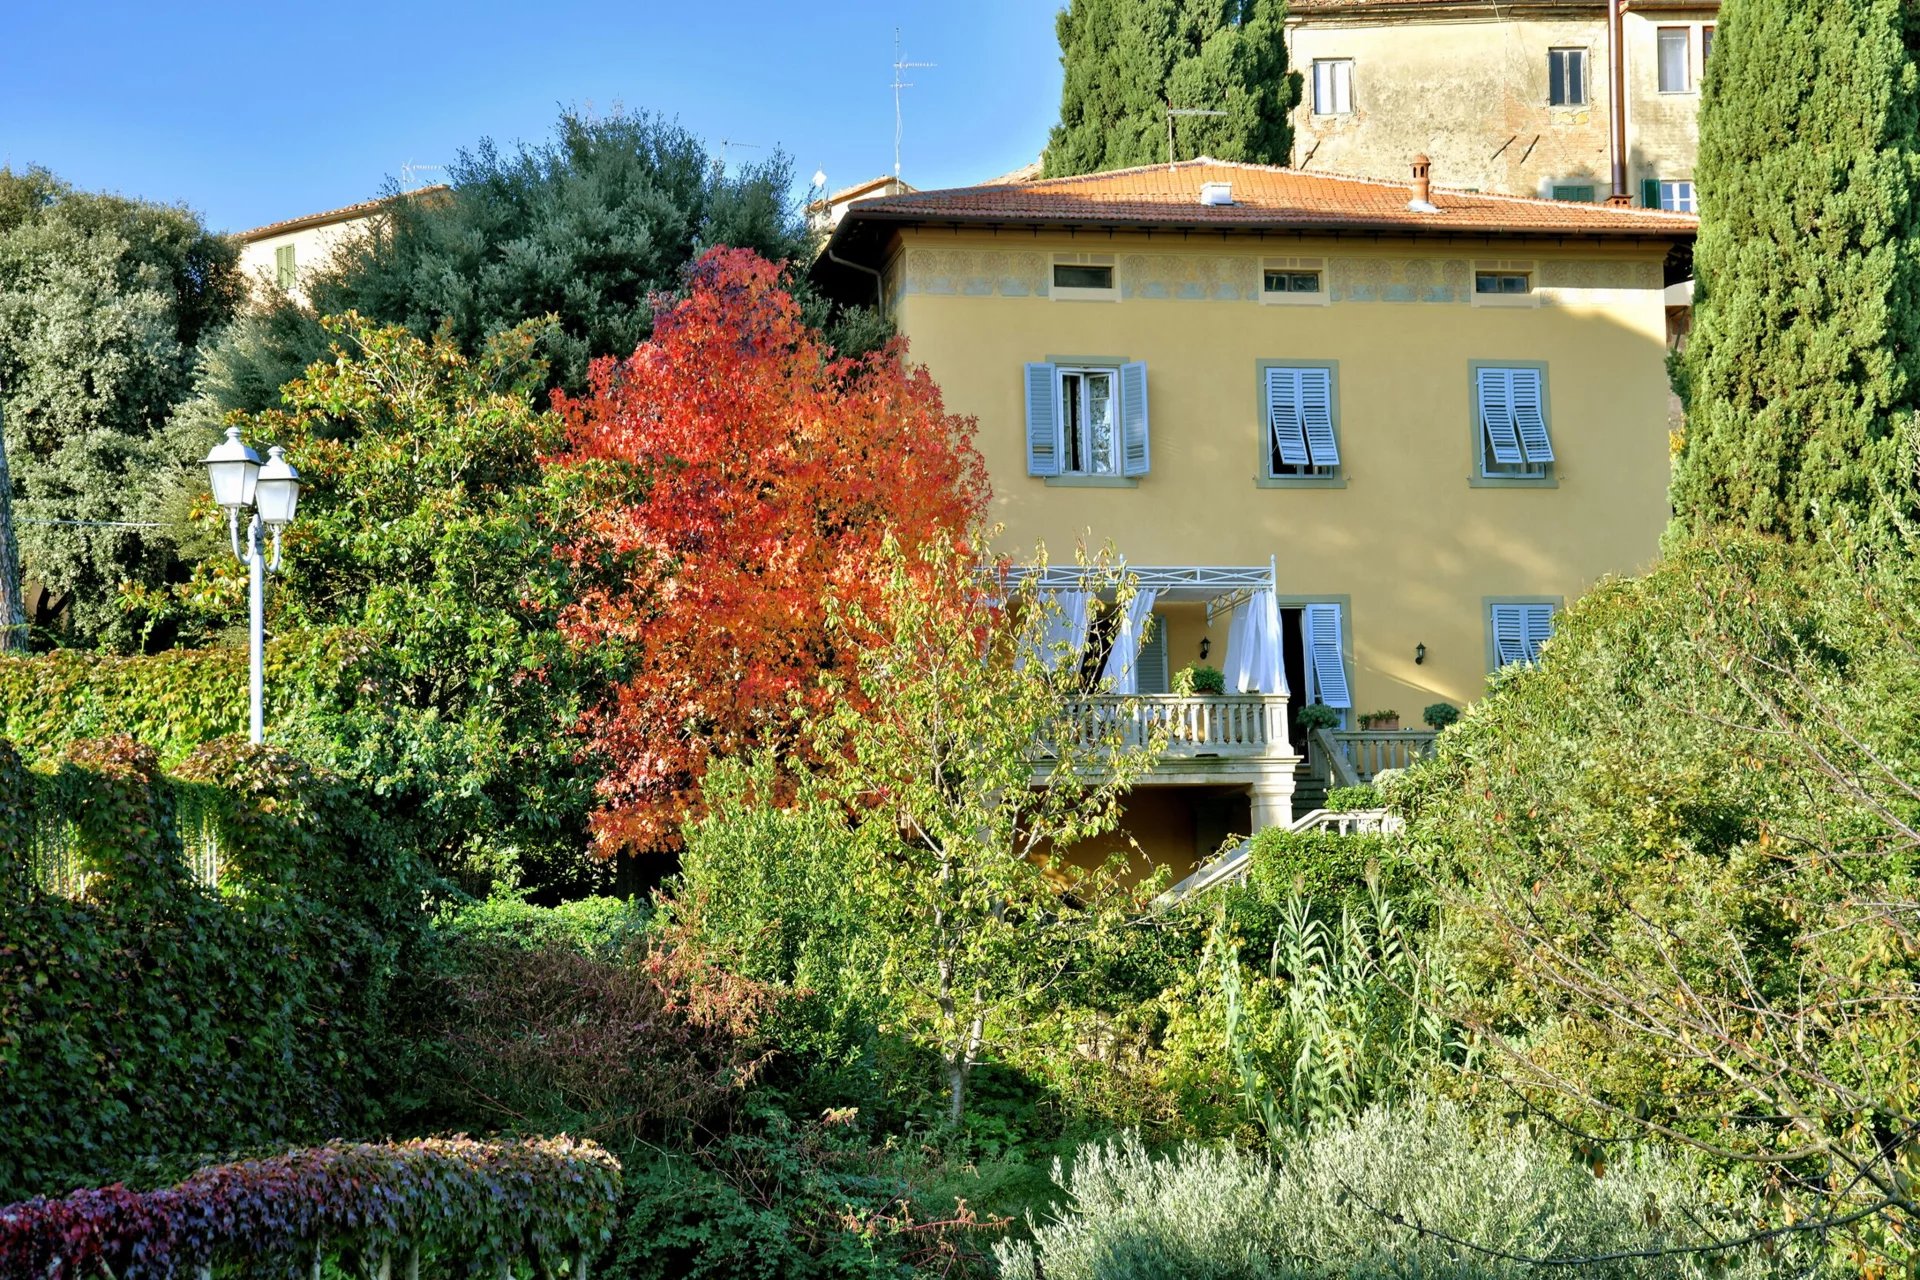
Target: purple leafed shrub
[[546, 1199]]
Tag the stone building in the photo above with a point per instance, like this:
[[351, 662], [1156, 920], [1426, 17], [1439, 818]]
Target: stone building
[[1521, 97]]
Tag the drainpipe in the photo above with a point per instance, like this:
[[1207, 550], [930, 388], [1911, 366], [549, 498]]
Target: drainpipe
[[879, 285], [1617, 101]]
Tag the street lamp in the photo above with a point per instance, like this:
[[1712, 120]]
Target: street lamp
[[240, 481]]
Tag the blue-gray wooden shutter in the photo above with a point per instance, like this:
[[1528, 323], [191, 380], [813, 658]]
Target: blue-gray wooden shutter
[[1496, 416], [1537, 624], [1283, 417], [1329, 663], [1151, 666], [1316, 414], [1510, 634], [1043, 422], [1134, 456], [1530, 414]]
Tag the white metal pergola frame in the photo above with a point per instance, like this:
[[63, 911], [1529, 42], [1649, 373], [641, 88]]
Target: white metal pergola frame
[[1222, 588]]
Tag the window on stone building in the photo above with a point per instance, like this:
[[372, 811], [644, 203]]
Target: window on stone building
[[1567, 77], [1677, 197], [1676, 59], [1333, 86]]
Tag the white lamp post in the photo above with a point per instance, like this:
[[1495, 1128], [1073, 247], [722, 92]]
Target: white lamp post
[[273, 491]]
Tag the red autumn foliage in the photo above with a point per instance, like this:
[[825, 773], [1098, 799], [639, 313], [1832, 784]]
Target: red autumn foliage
[[765, 473]]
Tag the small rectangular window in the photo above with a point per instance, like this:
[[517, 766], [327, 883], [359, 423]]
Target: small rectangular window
[[1567, 77], [1067, 275], [1677, 197], [1089, 421], [1578, 191], [1676, 58], [1333, 86], [1504, 283], [284, 271], [1291, 281]]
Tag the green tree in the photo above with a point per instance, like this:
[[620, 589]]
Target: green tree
[[425, 527], [103, 302], [1803, 358], [587, 228], [1127, 61]]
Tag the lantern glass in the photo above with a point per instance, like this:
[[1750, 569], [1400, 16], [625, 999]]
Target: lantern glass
[[278, 491], [232, 469]]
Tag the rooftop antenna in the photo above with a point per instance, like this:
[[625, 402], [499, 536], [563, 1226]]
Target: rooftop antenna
[[410, 174], [1183, 111], [900, 65]]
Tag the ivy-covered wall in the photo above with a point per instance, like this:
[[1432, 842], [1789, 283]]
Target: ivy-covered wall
[[144, 1013]]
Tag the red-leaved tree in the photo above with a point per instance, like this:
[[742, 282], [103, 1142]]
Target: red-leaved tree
[[738, 472]]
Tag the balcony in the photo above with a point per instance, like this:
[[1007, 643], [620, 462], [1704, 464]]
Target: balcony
[[1235, 738]]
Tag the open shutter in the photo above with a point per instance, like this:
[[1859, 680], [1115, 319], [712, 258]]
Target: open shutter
[[1133, 418], [1153, 658], [1316, 414], [1538, 625], [1043, 422], [1530, 415], [1329, 664], [1283, 416], [1496, 415], [1650, 193], [1510, 634]]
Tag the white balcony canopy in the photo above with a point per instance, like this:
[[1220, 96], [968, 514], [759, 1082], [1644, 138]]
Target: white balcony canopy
[[1219, 587]]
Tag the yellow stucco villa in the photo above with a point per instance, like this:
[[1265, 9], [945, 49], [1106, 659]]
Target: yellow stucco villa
[[1358, 440]]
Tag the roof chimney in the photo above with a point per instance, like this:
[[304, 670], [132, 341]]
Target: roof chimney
[[1422, 187]]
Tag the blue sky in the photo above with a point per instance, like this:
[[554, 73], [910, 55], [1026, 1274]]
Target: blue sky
[[253, 112]]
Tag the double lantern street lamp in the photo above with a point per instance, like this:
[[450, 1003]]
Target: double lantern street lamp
[[240, 481]]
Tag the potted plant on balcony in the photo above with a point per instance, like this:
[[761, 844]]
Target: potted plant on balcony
[[1440, 715], [1380, 721], [1189, 680], [1317, 716]]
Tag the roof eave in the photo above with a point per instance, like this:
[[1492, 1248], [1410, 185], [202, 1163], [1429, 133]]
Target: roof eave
[[1365, 226]]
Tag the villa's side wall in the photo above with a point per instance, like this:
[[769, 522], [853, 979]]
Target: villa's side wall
[[1410, 546]]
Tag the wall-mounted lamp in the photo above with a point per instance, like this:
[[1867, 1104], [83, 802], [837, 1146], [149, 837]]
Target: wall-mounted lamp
[[1205, 645], [1419, 654]]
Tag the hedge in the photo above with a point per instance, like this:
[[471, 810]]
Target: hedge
[[145, 1013], [549, 1200]]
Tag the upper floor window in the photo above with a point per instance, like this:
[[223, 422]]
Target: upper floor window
[[1333, 86], [1518, 631], [1567, 77], [1706, 46], [1677, 196], [1301, 441], [1086, 277], [1283, 281], [1087, 420], [1511, 405], [1579, 191], [1676, 59], [1508, 283], [284, 270]]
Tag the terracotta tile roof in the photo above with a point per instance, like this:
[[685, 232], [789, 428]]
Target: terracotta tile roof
[[344, 213], [1264, 197]]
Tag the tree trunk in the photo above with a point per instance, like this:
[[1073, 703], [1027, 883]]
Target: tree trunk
[[13, 603]]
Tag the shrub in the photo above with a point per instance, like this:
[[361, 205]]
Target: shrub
[[1350, 799], [648, 1044], [480, 1204], [1328, 869], [594, 926], [1440, 715], [1317, 716], [1340, 1202], [144, 1011]]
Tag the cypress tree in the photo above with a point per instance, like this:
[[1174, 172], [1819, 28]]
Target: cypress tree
[[1802, 369], [1127, 61]]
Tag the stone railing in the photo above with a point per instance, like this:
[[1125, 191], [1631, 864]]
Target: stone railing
[[1350, 757], [1246, 726]]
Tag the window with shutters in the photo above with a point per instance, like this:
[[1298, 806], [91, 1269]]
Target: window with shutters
[[1567, 77], [284, 271], [1322, 635], [1582, 192], [1677, 196], [1151, 666], [1512, 439], [1087, 421], [1516, 628], [1333, 86], [1299, 413]]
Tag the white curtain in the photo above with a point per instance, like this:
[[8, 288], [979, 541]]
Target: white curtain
[[1123, 662], [1255, 662], [1066, 635]]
